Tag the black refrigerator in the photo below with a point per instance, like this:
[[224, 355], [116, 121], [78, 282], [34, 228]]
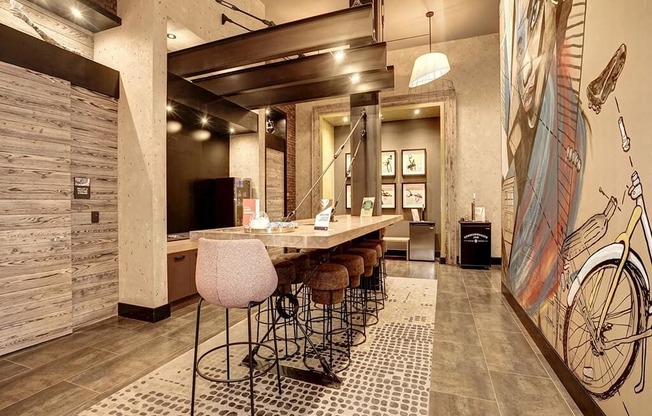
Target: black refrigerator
[[218, 202]]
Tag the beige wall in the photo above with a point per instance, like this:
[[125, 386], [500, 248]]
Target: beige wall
[[244, 159], [475, 73], [138, 50]]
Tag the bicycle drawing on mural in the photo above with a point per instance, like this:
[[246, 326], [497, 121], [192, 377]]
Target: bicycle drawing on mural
[[609, 307]]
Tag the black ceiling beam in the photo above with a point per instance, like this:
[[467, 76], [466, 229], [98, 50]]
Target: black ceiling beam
[[95, 17], [377, 80], [297, 71], [340, 28], [191, 95], [32, 53]]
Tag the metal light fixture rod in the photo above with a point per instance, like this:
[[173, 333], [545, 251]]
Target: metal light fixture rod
[[226, 18], [429, 16], [335, 156], [239, 10]]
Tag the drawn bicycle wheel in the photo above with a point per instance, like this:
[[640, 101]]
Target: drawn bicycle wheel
[[602, 372]]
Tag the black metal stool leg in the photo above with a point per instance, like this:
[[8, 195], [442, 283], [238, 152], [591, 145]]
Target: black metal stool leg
[[194, 362], [278, 364]]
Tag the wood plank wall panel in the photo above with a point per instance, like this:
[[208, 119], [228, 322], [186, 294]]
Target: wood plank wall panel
[[94, 154], [35, 221], [274, 188], [63, 32]]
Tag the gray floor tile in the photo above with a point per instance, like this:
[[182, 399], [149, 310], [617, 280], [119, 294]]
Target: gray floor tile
[[510, 352], [460, 369], [450, 284], [495, 319], [520, 395], [442, 404], [454, 302], [55, 400], [455, 327]]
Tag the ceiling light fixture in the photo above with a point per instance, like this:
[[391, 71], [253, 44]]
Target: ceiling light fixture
[[169, 108], [430, 66], [417, 111], [76, 12], [231, 130], [345, 119], [268, 111], [172, 36], [339, 55], [204, 120], [355, 78]]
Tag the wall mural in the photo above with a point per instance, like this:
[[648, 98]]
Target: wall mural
[[577, 240]]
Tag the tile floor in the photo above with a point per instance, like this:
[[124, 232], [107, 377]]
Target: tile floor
[[484, 363]]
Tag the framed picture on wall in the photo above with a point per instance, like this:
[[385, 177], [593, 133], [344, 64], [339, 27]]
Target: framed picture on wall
[[414, 195], [388, 163], [414, 162], [348, 197], [388, 195], [347, 165]]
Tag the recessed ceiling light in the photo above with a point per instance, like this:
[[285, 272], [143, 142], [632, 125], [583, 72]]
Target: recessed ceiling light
[[417, 111], [339, 55], [169, 108], [268, 111], [76, 12], [355, 78], [231, 130], [172, 36], [345, 119], [204, 120]]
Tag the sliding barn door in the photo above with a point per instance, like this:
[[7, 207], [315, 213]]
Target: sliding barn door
[[35, 221]]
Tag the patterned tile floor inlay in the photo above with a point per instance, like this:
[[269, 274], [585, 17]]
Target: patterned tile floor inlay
[[389, 374]]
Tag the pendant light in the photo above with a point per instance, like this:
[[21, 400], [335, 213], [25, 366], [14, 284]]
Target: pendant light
[[430, 66]]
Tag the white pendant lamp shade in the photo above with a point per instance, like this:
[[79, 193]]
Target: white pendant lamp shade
[[428, 68]]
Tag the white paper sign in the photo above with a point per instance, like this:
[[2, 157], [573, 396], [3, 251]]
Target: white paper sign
[[415, 215], [323, 219]]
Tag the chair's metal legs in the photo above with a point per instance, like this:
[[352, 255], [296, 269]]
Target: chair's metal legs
[[278, 364], [228, 353], [251, 361], [194, 362]]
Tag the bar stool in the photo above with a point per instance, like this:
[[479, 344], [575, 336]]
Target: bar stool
[[353, 296], [225, 279], [370, 258], [327, 290], [285, 270], [383, 266]]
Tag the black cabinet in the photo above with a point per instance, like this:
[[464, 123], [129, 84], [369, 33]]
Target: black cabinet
[[475, 238]]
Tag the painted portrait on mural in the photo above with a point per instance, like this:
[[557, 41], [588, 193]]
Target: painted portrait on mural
[[577, 239], [545, 122]]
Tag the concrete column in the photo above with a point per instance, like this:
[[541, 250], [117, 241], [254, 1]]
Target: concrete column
[[138, 50], [365, 175]]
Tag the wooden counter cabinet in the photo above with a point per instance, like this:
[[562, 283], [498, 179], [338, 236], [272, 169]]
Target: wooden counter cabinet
[[181, 275]]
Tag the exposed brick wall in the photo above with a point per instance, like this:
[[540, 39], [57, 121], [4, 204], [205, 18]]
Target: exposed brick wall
[[110, 5], [291, 112]]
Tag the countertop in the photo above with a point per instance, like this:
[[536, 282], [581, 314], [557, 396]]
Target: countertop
[[346, 228]]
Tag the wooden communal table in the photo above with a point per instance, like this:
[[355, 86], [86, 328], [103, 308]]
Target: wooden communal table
[[346, 228]]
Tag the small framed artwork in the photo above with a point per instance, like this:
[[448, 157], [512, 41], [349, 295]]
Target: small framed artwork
[[388, 163], [414, 195], [414, 162], [348, 197], [347, 165], [388, 200]]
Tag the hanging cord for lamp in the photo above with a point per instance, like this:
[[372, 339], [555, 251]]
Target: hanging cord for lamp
[[429, 16], [335, 156], [239, 10]]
